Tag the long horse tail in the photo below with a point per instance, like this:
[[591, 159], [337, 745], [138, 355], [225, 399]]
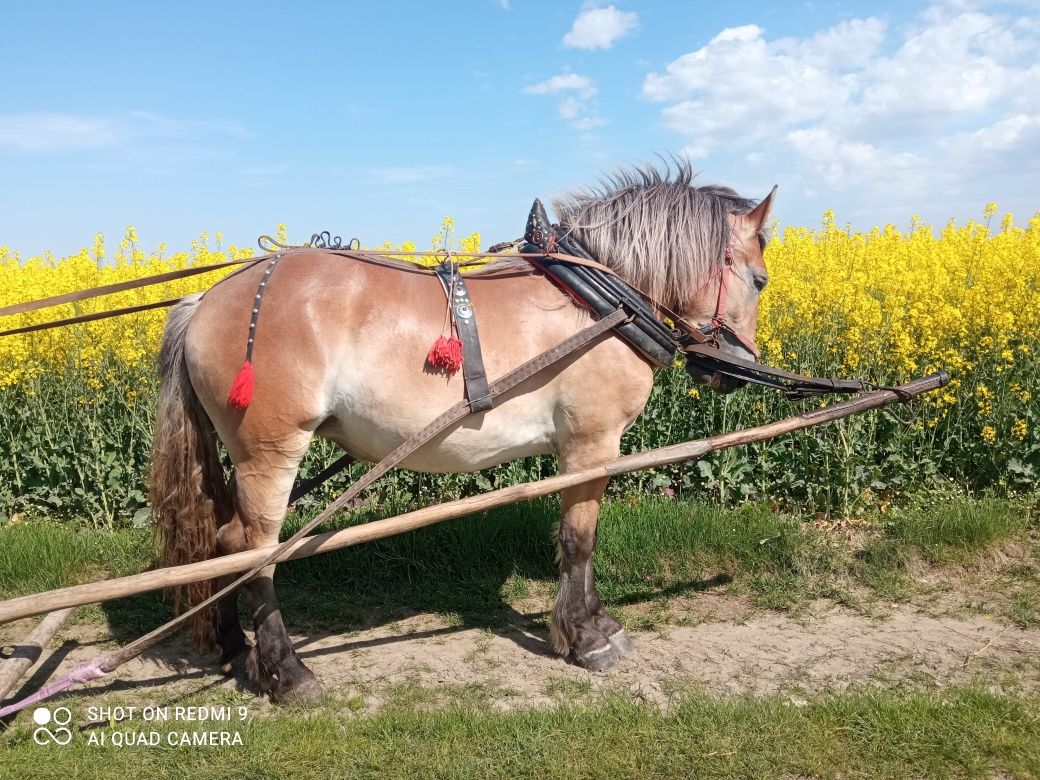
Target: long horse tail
[[189, 493]]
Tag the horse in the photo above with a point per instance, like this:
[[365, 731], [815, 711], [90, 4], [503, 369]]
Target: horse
[[340, 351]]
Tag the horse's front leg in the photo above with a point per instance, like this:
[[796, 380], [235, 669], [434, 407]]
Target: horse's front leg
[[580, 625]]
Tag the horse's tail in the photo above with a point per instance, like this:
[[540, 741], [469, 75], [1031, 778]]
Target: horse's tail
[[189, 493]]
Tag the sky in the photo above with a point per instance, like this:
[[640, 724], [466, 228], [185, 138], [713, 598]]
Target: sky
[[377, 120]]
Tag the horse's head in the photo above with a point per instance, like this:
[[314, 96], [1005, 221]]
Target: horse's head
[[695, 249], [727, 303]]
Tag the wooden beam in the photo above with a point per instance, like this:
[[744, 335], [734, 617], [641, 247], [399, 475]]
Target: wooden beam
[[106, 590], [28, 652]]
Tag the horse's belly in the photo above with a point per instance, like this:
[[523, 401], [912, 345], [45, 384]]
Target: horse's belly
[[519, 428]]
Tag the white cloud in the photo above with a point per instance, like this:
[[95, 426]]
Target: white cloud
[[838, 160], [569, 107], [565, 82], [575, 99], [590, 122], [1007, 133], [862, 104], [945, 68], [739, 84], [598, 28], [56, 133], [409, 174]]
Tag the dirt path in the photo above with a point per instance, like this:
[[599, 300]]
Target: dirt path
[[728, 650]]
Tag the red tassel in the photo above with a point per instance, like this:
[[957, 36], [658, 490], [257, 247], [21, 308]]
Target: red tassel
[[242, 388], [446, 353]]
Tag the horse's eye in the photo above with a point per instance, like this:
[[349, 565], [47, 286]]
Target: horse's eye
[[760, 280]]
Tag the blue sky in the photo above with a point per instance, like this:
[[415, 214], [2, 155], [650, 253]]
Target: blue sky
[[378, 119]]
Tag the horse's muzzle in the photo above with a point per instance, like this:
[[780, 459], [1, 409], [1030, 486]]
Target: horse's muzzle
[[720, 383], [724, 385]]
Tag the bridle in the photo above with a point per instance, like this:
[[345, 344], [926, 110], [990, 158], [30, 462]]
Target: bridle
[[718, 324]]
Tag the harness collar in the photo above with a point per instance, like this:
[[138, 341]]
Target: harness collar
[[544, 236]]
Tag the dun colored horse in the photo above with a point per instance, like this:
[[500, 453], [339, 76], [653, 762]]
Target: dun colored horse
[[340, 351]]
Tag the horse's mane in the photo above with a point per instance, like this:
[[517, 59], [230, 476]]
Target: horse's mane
[[654, 228]]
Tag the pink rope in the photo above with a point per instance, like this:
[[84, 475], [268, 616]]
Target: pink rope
[[85, 672]]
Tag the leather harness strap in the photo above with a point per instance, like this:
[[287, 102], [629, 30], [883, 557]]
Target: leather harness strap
[[465, 319], [601, 293], [130, 284], [101, 315], [792, 385]]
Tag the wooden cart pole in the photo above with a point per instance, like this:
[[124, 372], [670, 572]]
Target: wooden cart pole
[[107, 590], [28, 652]]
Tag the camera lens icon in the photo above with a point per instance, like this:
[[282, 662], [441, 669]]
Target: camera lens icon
[[61, 717]]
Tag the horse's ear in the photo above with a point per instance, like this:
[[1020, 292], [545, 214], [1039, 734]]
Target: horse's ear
[[760, 213]]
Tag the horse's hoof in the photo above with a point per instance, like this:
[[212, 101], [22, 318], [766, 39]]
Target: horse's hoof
[[306, 690], [619, 641], [297, 686], [599, 660]]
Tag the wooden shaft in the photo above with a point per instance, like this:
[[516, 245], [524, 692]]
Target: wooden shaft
[[107, 590], [28, 652]]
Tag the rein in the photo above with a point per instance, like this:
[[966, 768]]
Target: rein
[[102, 665]]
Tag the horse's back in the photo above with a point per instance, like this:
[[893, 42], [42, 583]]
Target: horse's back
[[341, 345]]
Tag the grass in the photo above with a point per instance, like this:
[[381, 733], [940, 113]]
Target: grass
[[958, 733], [478, 568], [37, 556], [950, 530]]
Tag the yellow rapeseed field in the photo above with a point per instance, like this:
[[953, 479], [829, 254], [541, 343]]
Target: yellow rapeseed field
[[899, 302], [885, 305], [908, 301]]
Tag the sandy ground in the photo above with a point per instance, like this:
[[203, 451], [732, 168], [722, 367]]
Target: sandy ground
[[720, 646]]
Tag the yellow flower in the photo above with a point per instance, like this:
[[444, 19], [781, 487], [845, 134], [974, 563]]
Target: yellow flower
[[1020, 429], [989, 435]]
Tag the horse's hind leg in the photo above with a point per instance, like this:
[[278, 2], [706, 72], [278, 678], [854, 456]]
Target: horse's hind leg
[[262, 487], [230, 636]]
